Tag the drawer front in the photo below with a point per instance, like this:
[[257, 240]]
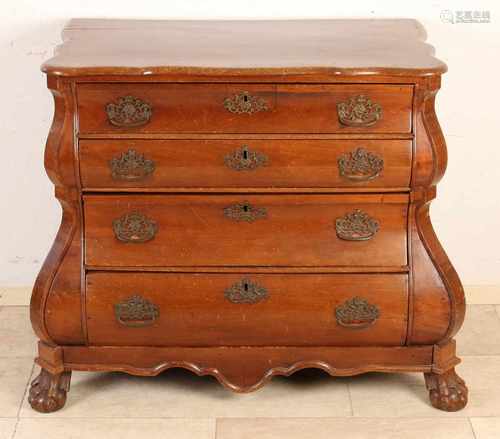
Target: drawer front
[[172, 309], [244, 163], [243, 108], [245, 230]]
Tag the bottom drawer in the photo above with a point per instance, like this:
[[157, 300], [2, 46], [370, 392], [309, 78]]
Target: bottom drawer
[[171, 309]]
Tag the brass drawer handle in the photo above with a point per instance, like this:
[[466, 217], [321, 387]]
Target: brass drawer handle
[[244, 212], [131, 165], [356, 226], [359, 111], [356, 313], [128, 112], [360, 165], [134, 227], [245, 291], [244, 159], [136, 312], [244, 102]]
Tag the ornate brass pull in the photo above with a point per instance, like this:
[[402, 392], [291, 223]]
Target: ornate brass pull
[[245, 291], [244, 159], [356, 313], [356, 226], [134, 227], [128, 112], [245, 212], [131, 165], [136, 312], [244, 102], [359, 111], [360, 165]]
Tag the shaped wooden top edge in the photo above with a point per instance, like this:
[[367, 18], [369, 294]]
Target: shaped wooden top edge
[[336, 47]]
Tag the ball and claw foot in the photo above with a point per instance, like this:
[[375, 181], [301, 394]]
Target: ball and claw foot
[[48, 392], [447, 391]]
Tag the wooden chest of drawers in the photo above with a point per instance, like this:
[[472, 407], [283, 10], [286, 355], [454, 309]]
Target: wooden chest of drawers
[[246, 207]]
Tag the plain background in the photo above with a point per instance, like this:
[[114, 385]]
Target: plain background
[[466, 214]]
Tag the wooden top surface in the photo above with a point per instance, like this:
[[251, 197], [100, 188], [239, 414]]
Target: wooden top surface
[[281, 47]]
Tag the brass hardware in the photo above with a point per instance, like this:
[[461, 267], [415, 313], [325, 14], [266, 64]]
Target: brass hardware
[[134, 227], [356, 226], [129, 111], [245, 291], [244, 102], [356, 313], [245, 212], [136, 312], [359, 111], [360, 165], [244, 159], [131, 165]]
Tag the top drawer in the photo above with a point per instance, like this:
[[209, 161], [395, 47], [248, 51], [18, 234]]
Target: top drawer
[[243, 108]]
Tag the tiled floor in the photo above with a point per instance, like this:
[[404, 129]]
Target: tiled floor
[[307, 405]]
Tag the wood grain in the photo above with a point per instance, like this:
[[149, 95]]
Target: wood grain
[[261, 363], [297, 108], [57, 289], [299, 230], [202, 163], [238, 47], [302, 70], [299, 310]]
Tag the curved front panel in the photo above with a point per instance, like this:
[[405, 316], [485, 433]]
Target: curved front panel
[[245, 230], [170, 309], [122, 108], [241, 163]]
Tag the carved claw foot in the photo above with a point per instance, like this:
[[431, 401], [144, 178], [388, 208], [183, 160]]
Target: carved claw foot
[[447, 391], [48, 392]]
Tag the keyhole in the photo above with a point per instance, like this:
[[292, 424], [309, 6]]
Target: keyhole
[[245, 154], [245, 286], [245, 98], [245, 208]]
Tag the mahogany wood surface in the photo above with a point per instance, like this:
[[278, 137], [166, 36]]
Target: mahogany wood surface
[[289, 163], [294, 108], [262, 362], [223, 292], [237, 47], [286, 316], [297, 230]]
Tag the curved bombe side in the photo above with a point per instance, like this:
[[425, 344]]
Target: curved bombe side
[[438, 297], [57, 287]]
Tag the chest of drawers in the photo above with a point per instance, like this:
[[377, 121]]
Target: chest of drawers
[[246, 207]]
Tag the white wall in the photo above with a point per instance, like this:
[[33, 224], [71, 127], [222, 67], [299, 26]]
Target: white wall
[[466, 214]]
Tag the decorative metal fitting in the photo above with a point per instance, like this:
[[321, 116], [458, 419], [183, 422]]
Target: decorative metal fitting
[[129, 111], [359, 111], [134, 227], [356, 313], [360, 165], [131, 165], [244, 212], [244, 102], [356, 226], [136, 312], [245, 291], [244, 159]]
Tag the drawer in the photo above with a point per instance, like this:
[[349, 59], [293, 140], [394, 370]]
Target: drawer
[[243, 108], [245, 230], [169, 309], [131, 163]]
